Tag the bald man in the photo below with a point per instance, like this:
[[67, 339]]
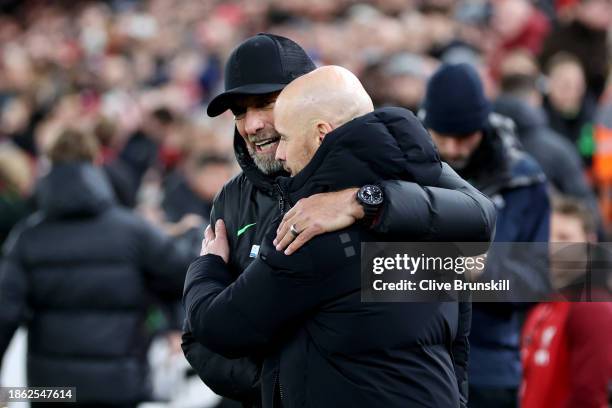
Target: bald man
[[322, 346], [312, 106]]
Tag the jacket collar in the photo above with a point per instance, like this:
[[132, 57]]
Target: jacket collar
[[387, 144]]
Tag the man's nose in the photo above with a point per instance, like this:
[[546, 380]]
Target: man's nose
[[455, 148], [253, 122]]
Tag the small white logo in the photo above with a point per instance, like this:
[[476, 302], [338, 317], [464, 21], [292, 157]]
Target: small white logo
[[254, 251]]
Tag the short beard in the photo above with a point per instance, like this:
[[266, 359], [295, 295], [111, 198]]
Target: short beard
[[458, 165], [267, 165]]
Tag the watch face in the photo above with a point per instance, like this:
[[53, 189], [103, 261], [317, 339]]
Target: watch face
[[371, 195]]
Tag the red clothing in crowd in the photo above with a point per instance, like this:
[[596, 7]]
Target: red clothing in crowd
[[567, 355], [530, 38]]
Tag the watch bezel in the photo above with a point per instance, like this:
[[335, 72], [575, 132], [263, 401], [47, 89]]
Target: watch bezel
[[367, 201]]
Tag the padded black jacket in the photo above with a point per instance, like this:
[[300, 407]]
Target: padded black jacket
[[363, 157]]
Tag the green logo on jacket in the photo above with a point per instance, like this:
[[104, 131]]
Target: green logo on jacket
[[243, 229]]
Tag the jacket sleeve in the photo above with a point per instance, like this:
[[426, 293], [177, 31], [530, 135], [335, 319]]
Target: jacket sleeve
[[247, 316], [451, 211], [164, 261], [525, 220], [237, 379], [13, 292], [461, 351]]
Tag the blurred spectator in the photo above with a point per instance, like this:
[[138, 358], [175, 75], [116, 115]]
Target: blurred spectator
[[602, 160], [483, 149], [193, 191], [570, 109], [142, 150], [585, 35], [445, 42], [521, 101], [566, 349], [16, 183], [80, 274], [118, 172], [518, 24], [405, 78], [519, 62], [18, 120]]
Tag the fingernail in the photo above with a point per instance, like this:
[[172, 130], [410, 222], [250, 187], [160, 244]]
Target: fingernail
[[287, 252], [274, 242]]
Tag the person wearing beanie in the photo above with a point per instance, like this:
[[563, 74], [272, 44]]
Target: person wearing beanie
[[255, 73], [482, 147]]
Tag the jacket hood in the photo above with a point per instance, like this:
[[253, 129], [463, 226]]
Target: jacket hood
[[499, 162], [74, 189], [387, 144], [525, 117], [265, 183]]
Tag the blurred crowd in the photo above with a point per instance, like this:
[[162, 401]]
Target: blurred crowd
[[137, 76], [138, 73]]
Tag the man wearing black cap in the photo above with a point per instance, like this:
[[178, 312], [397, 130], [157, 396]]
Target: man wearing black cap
[[254, 75], [482, 148]]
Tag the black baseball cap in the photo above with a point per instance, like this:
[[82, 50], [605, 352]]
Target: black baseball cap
[[262, 64]]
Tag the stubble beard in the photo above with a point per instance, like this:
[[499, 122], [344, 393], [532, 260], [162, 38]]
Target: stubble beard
[[265, 162]]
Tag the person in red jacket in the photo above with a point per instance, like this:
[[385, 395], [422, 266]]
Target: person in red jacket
[[566, 349]]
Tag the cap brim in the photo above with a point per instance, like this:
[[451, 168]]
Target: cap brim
[[223, 101]]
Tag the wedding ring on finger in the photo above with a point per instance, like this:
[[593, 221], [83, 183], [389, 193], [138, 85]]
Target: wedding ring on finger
[[294, 231]]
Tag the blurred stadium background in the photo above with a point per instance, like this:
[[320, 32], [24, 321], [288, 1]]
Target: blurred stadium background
[[138, 76]]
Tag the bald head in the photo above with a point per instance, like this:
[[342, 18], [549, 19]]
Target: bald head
[[330, 93], [312, 106]]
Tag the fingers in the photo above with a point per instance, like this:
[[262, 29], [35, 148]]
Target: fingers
[[283, 230], [303, 237], [286, 239], [220, 230], [286, 222], [209, 235]]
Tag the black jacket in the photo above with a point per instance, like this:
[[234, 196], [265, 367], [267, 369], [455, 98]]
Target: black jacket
[[554, 153], [81, 273], [317, 289], [450, 209], [180, 200], [517, 186], [557, 156]]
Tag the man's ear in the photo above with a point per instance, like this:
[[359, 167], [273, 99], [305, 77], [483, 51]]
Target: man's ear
[[323, 128]]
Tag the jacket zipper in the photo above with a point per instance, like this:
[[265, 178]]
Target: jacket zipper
[[280, 387], [281, 199]]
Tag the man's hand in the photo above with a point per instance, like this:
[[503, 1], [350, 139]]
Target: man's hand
[[215, 242], [316, 215]]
